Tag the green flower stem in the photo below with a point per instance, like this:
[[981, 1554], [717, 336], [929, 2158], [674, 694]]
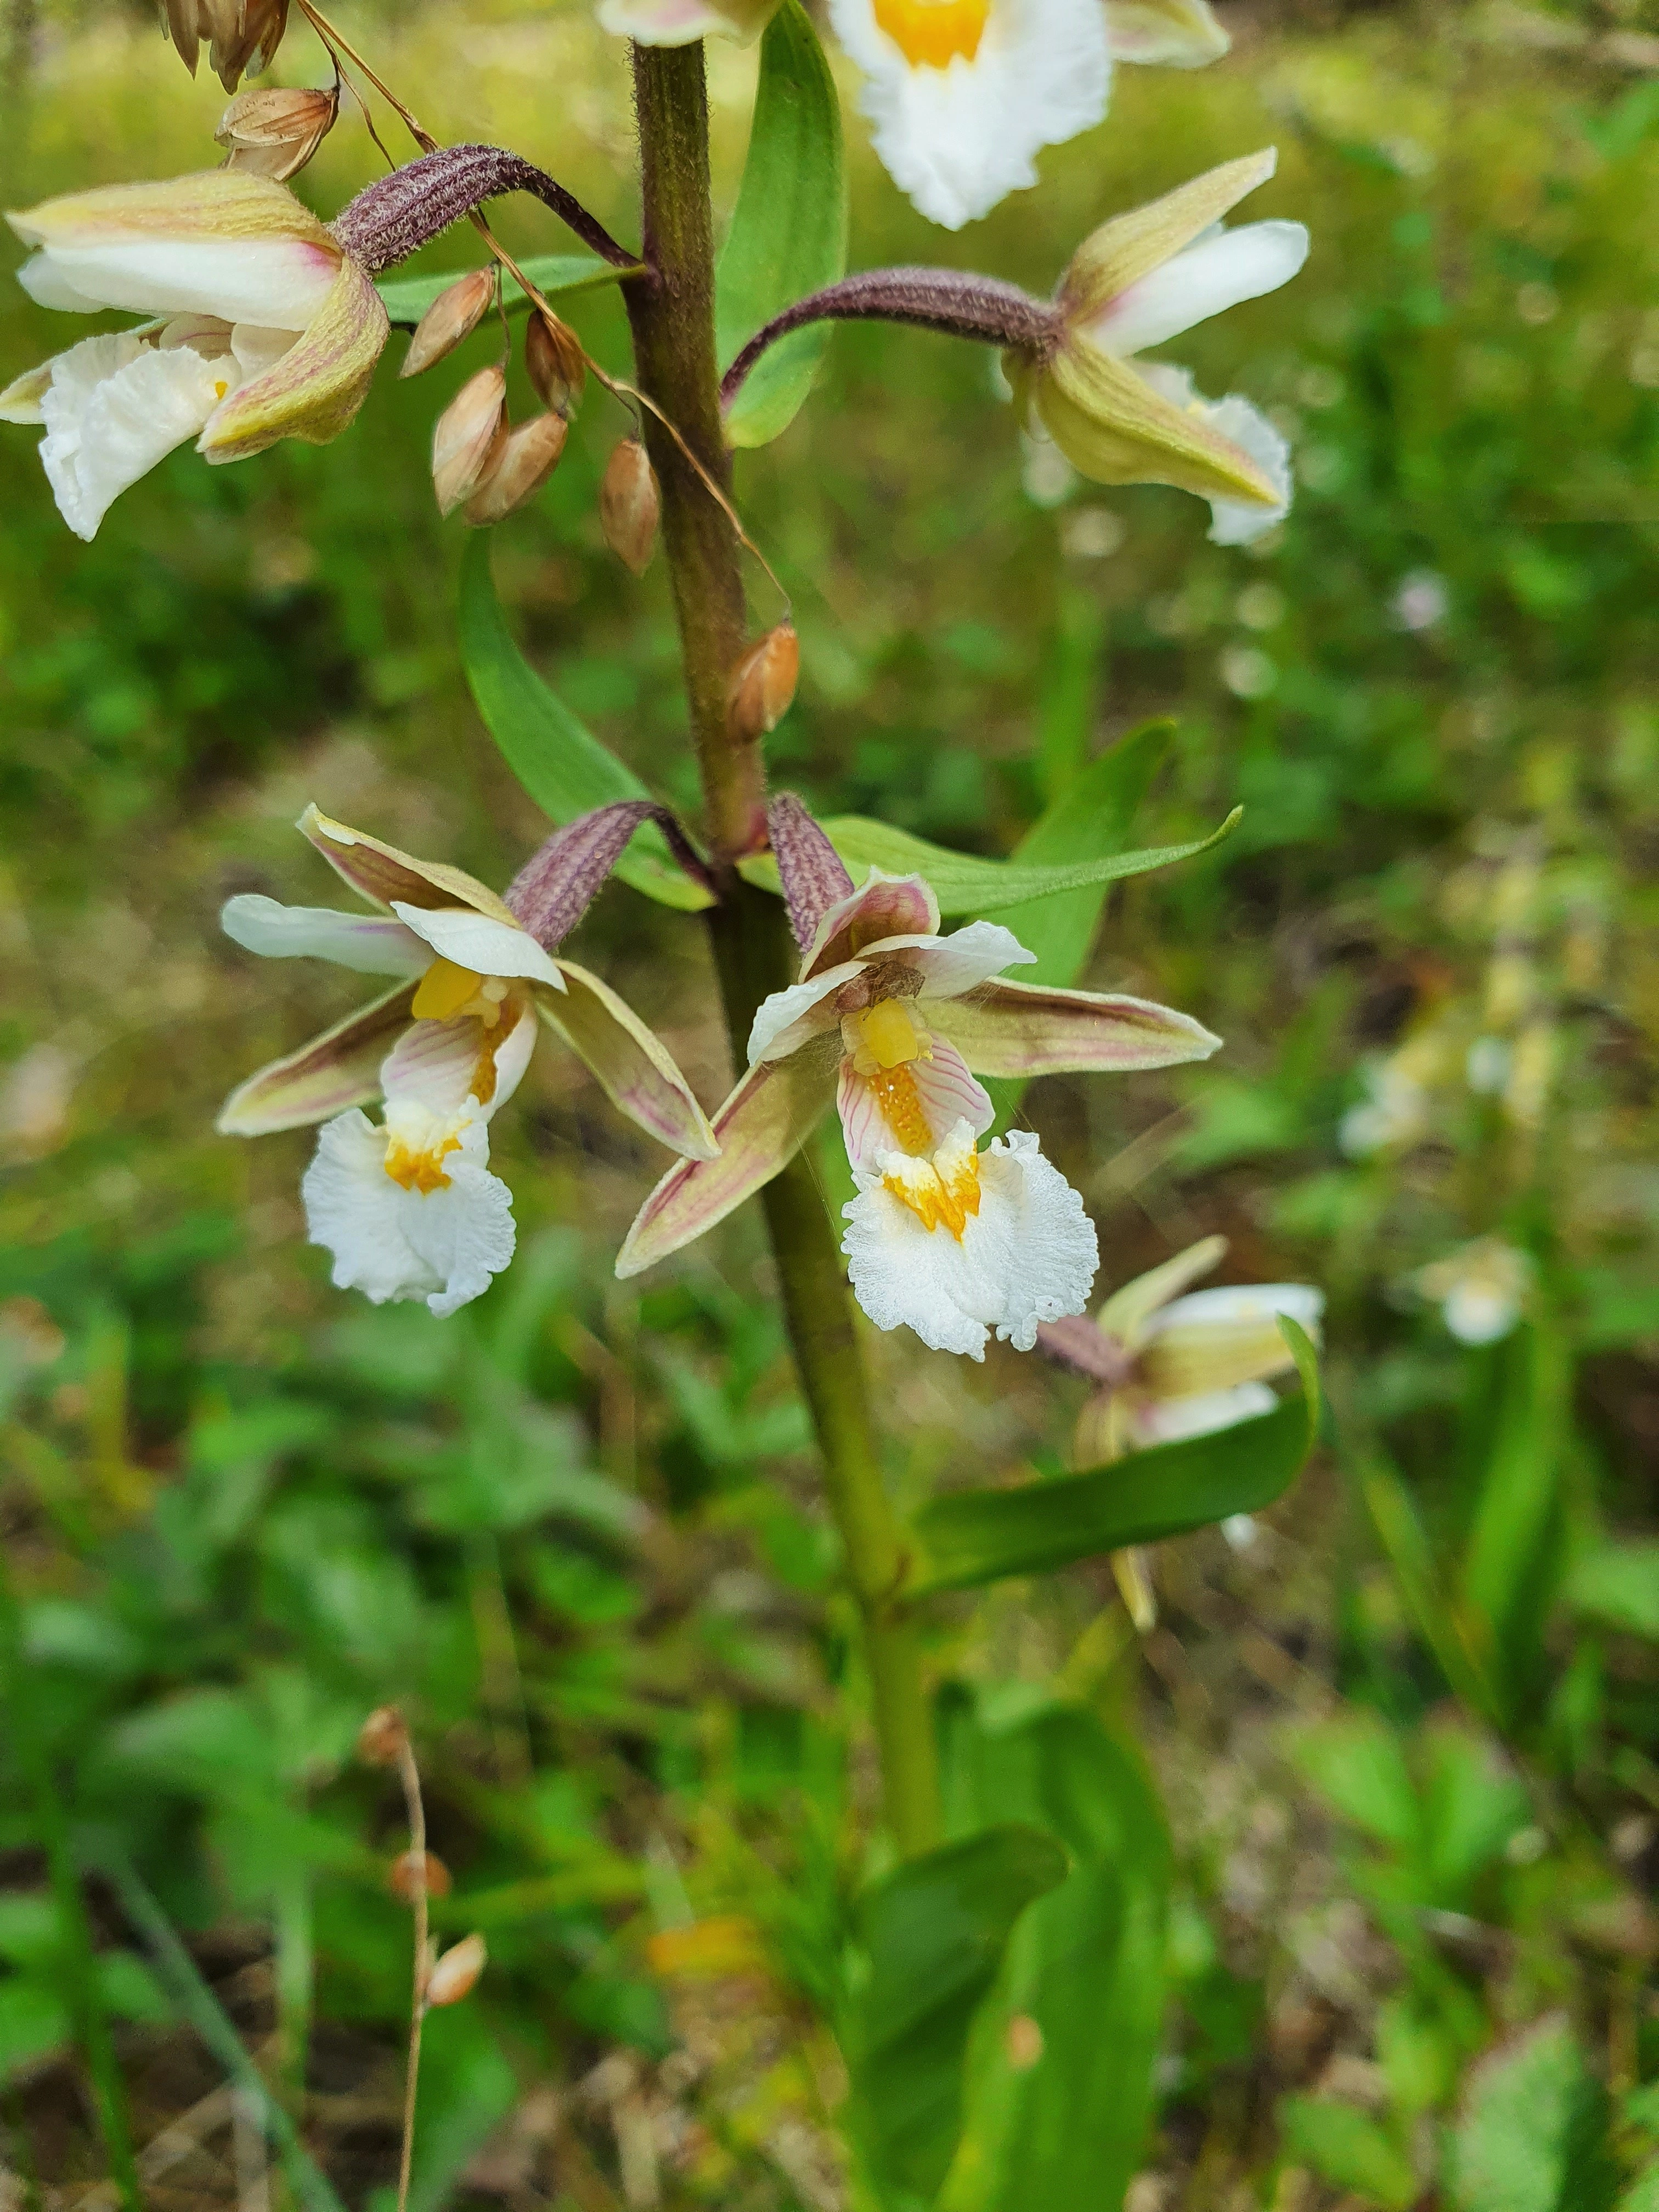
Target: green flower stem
[[671, 312]]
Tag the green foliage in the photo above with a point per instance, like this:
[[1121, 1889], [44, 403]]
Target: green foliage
[[788, 230], [1346, 2147], [1530, 2135], [406, 299]]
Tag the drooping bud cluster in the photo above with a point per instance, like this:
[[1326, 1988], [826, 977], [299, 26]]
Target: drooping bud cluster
[[469, 438], [629, 504], [274, 134], [242, 34]]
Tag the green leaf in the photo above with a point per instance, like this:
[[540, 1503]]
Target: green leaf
[[34, 2022], [1085, 1964], [1358, 1765], [788, 234], [562, 764], [934, 1933], [1404, 1538], [1643, 2195], [1512, 1559], [965, 882], [406, 299], [1531, 2135], [974, 1536], [1346, 2147], [1618, 1584]]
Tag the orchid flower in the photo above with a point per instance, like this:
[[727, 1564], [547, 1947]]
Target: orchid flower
[[963, 95], [893, 1021], [407, 1205], [1481, 1289], [1138, 280], [262, 327], [1170, 1367]]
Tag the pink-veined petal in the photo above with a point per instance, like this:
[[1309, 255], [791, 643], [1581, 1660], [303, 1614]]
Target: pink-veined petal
[[882, 906], [946, 1092], [1029, 1029], [339, 1069], [383, 874], [311, 389], [438, 1065], [759, 1129], [633, 1066]]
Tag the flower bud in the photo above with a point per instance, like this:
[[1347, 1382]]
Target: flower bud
[[401, 1876], [274, 134], [244, 34], [468, 437], [630, 503], [553, 361], [453, 315], [762, 684], [382, 1737], [456, 1973], [527, 459]]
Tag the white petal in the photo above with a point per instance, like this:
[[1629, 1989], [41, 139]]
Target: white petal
[[1232, 521], [1217, 272], [257, 348], [1477, 1312], [113, 410], [442, 1245], [275, 283], [445, 1068], [785, 1021], [963, 961], [946, 1091], [958, 139], [1028, 1255], [47, 286], [475, 941], [365, 942], [1166, 1420], [1240, 1303]]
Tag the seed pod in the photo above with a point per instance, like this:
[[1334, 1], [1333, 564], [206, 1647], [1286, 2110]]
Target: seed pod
[[453, 315], [762, 684], [274, 134], [527, 459], [468, 437], [630, 503], [382, 1737], [400, 1876], [244, 34], [457, 1973], [553, 361]]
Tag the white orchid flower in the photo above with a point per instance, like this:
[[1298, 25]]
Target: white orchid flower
[[893, 1021], [262, 327], [1139, 280], [407, 1206], [1481, 1289]]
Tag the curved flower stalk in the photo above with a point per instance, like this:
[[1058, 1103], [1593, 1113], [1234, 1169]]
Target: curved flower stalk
[[407, 1206], [1137, 282], [1481, 1289], [962, 96], [264, 327], [894, 1022]]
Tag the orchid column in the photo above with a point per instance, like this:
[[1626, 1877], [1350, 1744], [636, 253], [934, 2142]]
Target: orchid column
[[671, 311]]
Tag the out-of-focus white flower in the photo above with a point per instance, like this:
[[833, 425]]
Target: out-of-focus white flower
[[1486, 1066], [1137, 282], [407, 1206], [1481, 1289], [1393, 1116], [892, 1020], [1421, 600], [264, 328]]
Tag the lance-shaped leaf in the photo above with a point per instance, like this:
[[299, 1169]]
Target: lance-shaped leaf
[[759, 1129], [788, 234], [335, 1072], [406, 299], [1023, 1029], [562, 765], [633, 1066], [976, 1536], [935, 1933], [965, 883]]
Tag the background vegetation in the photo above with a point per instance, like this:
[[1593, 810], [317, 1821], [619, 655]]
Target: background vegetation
[[1407, 1727]]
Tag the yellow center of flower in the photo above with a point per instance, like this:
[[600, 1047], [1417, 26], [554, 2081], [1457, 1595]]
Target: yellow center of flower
[[942, 1190], [930, 33], [446, 990], [940, 1186], [419, 1166]]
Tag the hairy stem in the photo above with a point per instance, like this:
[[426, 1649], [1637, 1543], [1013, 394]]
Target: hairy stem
[[671, 311]]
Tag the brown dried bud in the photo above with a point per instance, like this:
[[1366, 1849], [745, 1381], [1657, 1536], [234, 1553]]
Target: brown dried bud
[[762, 684], [456, 1973], [1023, 2042], [468, 437], [382, 1737], [453, 315], [527, 459], [630, 503], [400, 1878], [244, 34], [274, 134], [553, 361]]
